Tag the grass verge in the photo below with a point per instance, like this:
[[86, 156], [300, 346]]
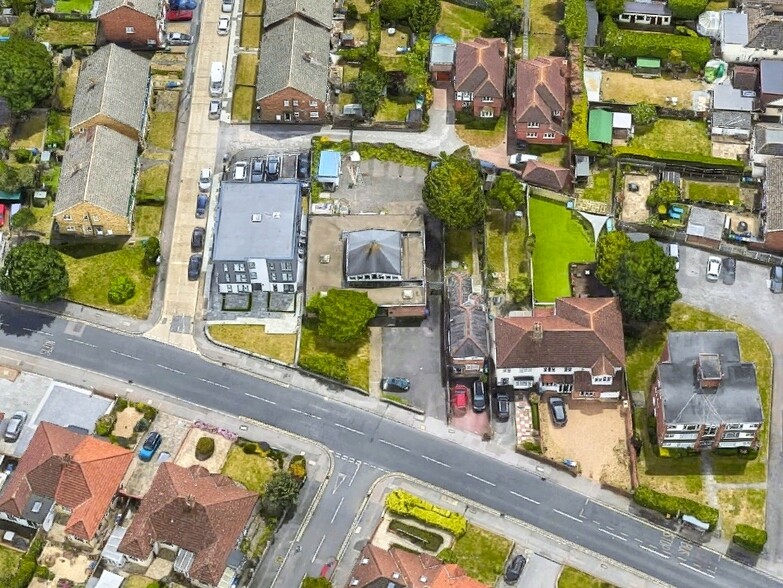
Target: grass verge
[[161, 129], [148, 219], [252, 7], [250, 33], [253, 471], [355, 354], [481, 554], [242, 103], [254, 338], [573, 578], [247, 65]]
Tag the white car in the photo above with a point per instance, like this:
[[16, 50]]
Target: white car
[[205, 179], [713, 268], [227, 6], [223, 25], [673, 250], [215, 107], [240, 171]]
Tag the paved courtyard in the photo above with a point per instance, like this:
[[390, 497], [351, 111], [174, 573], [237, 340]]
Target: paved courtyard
[[635, 203]]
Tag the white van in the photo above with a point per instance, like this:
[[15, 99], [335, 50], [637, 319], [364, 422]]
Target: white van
[[216, 79]]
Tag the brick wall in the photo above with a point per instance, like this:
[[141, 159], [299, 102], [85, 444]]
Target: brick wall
[[292, 106], [116, 27]]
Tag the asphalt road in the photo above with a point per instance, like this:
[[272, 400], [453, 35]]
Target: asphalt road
[[382, 443]]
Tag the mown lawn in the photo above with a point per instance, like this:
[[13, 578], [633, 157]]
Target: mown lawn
[[394, 109], [9, 561], [152, 183], [481, 554], [250, 33], [68, 33], [138, 582], [247, 65], [601, 190], [254, 338], [573, 578], [517, 256], [147, 221], [161, 129], [460, 23], [553, 155], [483, 132], [57, 128], [745, 507], [544, 18], [253, 471], [66, 89], [459, 248], [681, 136], [350, 73], [242, 103], [712, 192], [253, 7], [83, 6], [560, 240], [356, 354], [30, 132], [494, 230], [43, 218]]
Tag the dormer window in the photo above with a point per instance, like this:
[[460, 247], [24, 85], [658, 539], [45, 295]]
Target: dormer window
[[532, 125], [487, 99], [556, 113]]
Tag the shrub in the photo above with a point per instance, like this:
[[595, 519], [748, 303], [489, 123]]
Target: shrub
[[676, 156], [695, 51], [121, 405], [264, 448], [405, 504], [42, 572], [532, 446], [750, 538], [141, 425], [579, 119], [535, 416], [447, 556], [644, 113], [422, 538], [105, 424], [121, 289], [149, 412], [28, 567], [675, 505], [325, 364], [298, 467], [250, 448], [687, 9], [575, 20], [23, 155], [205, 447], [665, 193]]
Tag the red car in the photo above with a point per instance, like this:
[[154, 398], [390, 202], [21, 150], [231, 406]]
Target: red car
[[459, 396], [3, 211], [179, 15]]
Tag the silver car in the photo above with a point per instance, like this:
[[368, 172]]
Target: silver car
[[223, 24], [15, 425], [713, 268], [215, 107]]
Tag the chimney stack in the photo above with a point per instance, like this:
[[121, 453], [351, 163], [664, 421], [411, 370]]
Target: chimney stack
[[190, 502], [538, 332], [708, 372]]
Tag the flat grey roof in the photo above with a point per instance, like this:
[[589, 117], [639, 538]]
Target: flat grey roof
[[734, 27], [771, 76], [726, 97], [646, 8], [707, 223], [256, 221]]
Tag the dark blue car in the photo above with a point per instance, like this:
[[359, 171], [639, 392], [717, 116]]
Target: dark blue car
[[150, 446]]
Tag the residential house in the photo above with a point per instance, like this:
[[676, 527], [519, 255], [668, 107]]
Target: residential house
[[480, 77], [468, 330], [728, 125], [574, 348], [316, 12], [541, 101], [442, 51], [545, 175], [113, 90], [293, 72], [95, 197], [726, 97], [646, 14], [255, 245], [767, 142], [400, 568], [198, 517], [772, 205], [754, 34], [69, 473], [771, 82], [704, 396], [137, 24]]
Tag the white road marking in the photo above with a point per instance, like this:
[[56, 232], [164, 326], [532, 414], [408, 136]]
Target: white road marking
[[698, 571], [658, 553], [523, 497], [613, 535], [348, 429], [405, 449], [214, 383], [339, 504], [81, 342], [445, 465], [306, 414], [568, 516], [356, 471], [480, 479], [170, 369], [126, 355], [259, 398], [318, 549]]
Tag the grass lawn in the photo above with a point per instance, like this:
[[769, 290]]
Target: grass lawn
[[483, 132], [682, 136], [43, 218], [394, 109], [30, 132], [91, 269], [57, 128], [601, 190], [356, 354], [253, 471], [712, 192], [247, 65], [358, 28], [553, 155], [560, 240], [741, 506], [50, 178], [253, 338], [152, 183], [344, 99], [387, 55], [481, 554], [253, 7], [147, 221], [161, 129], [494, 229], [625, 88], [66, 89], [460, 23], [9, 561], [573, 578], [363, 6], [350, 73], [517, 256], [544, 18], [250, 34], [459, 247], [67, 33], [242, 103], [83, 6], [540, 45]]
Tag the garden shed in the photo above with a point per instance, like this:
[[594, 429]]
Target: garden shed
[[329, 167], [600, 126], [647, 67]]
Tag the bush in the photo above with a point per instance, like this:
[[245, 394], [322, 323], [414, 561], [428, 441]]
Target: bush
[[695, 51], [23, 155], [750, 538], [28, 567], [532, 446], [644, 114], [250, 448], [425, 539], [687, 9], [105, 424], [325, 364], [405, 504], [121, 405], [141, 425], [205, 447], [121, 289], [579, 119], [675, 505], [575, 20], [447, 556], [43, 573], [148, 411], [535, 416], [676, 156], [298, 467]]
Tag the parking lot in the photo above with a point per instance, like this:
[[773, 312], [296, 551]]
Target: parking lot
[[268, 167], [380, 186]]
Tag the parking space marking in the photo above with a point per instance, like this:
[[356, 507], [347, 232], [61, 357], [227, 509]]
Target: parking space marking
[[170, 369], [259, 398], [568, 516], [133, 357], [214, 383], [38, 331], [480, 479], [348, 429], [440, 463], [389, 443], [613, 535], [523, 497]]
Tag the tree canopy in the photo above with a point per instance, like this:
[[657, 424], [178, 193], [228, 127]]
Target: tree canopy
[[608, 252], [646, 282], [370, 86], [121, 289], [343, 314], [23, 220], [396, 11], [644, 113], [26, 73], [610, 7], [504, 17], [34, 272], [280, 493], [508, 191], [687, 9], [424, 15], [453, 192], [665, 193]]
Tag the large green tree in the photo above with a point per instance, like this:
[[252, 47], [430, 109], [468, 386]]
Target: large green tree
[[343, 314], [34, 272], [504, 17], [687, 9], [453, 192], [665, 193], [644, 114], [396, 11], [610, 7], [508, 191], [23, 220], [26, 73], [280, 493], [9, 178], [370, 86], [608, 252], [646, 283], [424, 16]]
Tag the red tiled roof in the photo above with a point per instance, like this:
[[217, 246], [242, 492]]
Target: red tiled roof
[[541, 89], [78, 472], [198, 511], [583, 333], [546, 175], [480, 67]]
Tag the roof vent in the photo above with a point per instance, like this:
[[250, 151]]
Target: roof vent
[[423, 579], [365, 561], [396, 575], [354, 582], [407, 294], [275, 215], [37, 507], [326, 258], [256, 218], [307, 56]]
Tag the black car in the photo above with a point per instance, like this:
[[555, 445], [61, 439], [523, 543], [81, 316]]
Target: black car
[[201, 205], [303, 166], [194, 266], [273, 167], [558, 410], [729, 271], [514, 569], [257, 171], [197, 239], [776, 279], [479, 397], [395, 384], [504, 405]]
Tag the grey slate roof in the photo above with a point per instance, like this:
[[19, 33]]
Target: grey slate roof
[[149, 7], [734, 27], [771, 76], [736, 400], [468, 328], [374, 251], [765, 30], [731, 119], [99, 166], [283, 61], [707, 223], [773, 194], [768, 139], [318, 11], [115, 82], [655, 8], [442, 54], [726, 97]]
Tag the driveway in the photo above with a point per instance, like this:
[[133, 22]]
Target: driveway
[[749, 302]]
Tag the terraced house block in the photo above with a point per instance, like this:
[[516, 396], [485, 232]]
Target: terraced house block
[[136, 24]]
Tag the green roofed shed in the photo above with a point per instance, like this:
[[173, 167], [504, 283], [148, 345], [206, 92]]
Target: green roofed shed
[[648, 62], [599, 128]]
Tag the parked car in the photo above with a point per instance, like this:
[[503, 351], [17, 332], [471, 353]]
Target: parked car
[[395, 384], [713, 268], [504, 405], [14, 426], [179, 15], [776, 279], [257, 170], [150, 446], [514, 569], [673, 250], [201, 205], [183, 4], [179, 39], [479, 397], [205, 179], [223, 24], [519, 160], [303, 166], [227, 6], [729, 270], [558, 410], [273, 167], [459, 396], [194, 266], [240, 171], [3, 214], [215, 106], [197, 238]]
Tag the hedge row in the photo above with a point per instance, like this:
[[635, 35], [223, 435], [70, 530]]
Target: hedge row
[[675, 505], [678, 156], [27, 567], [405, 504], [579, 118], [575, 20], [325, 364], [750, 538], [695, 51], [687, 9]]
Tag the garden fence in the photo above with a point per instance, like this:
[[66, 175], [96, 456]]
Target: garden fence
[[475, 4]]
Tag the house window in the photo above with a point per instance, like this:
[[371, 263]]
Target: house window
[[86, 217], [251, 264], [67, 217], [486, 114], [556, 113], [465, 96], [96, 219], [253, 276], [549, 135], [70, 228], [691, 427], [313, 102], [288, 277], [296, 114], [286, 265], [532, 125], [732, 435], [273, 277], [129, 30], [586, 394], [313, 115], [549, 369], [532, 135], [733, 427], [286, 103], [568, 369], [488, 99], [296, 102]]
